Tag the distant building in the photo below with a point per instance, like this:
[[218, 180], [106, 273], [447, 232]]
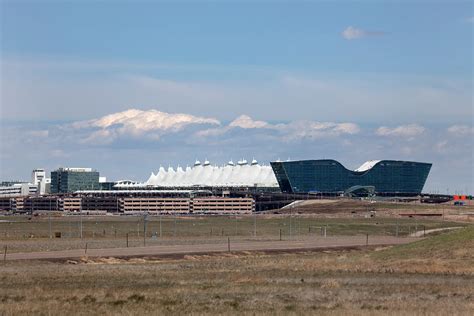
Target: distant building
[[37, 175], [38, 178], [12, 204], [18, 189], [39, 185], [389, 177], [68, 180]]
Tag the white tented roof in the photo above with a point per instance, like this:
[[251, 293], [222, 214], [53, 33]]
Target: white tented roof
[[242, 174], [367, 165]]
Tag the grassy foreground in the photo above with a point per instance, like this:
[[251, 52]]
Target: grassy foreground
[[432, 276]]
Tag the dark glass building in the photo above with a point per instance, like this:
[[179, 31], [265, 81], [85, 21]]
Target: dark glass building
[[68, 180], [329, 176]]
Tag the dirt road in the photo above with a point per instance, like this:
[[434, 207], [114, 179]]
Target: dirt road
[[287, 245], [422, 233]]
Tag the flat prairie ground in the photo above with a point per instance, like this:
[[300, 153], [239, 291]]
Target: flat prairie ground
[[433, 276], [30, 234]]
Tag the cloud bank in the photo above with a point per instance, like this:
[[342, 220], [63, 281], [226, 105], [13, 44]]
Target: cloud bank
[[461, 130], [286, 131], [410, 130], [132, 143]]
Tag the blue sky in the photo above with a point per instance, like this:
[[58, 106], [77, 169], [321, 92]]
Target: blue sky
[[399, 71], [425, 37]]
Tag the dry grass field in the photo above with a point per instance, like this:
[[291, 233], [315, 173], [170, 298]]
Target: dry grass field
[[25, 234], [432, 276]]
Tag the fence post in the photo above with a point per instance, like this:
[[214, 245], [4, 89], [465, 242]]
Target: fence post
[[5, 253], [325, 231], [161, 235], [85, 250], [367, 240], [280, 234], [255, 225], [228, 244], [174, 233], [127, 240], [424, 230]]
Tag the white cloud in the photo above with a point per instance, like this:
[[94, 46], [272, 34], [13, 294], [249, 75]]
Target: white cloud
[[288, 131], [135, 123], [347, 128], [352, 33], [309, 129], [461, 130], [410, 130], [142, 121], [245, 121]]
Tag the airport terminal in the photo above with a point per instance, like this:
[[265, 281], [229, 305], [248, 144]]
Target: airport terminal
[[235, 188]]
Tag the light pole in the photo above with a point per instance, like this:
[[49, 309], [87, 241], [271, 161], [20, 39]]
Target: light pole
[[236, 224], [144, 229], [291, 213], [49, 220], [174, 231], [80, 216], [160, 226]]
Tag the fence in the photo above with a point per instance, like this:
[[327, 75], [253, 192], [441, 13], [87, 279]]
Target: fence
[[176, 227]]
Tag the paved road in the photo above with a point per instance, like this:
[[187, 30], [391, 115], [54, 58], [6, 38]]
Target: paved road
[[166, 250]]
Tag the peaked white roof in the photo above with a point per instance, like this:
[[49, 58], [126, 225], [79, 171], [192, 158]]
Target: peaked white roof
[[242, 174]]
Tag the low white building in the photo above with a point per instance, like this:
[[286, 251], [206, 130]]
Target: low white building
[[39, 185], [18, 189]]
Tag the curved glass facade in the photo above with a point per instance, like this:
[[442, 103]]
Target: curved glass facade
[[329, 176]]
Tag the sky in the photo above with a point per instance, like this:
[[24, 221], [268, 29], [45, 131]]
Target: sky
[[126, 87]]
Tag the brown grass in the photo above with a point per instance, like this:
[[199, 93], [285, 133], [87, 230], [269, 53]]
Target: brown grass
[[433, 276], [331, 283]]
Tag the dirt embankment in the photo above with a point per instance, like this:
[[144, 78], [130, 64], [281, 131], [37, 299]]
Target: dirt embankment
[[351, 208]]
